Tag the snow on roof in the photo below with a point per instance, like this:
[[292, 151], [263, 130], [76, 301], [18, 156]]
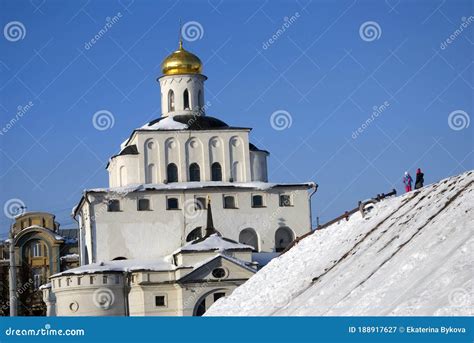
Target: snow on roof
[[120, 266], [405, 258], [241, 263], [149, 265], [45, 286], [257, 185], [124, 143], [69, 257], [213, 243], [56, 236], [167, 123]]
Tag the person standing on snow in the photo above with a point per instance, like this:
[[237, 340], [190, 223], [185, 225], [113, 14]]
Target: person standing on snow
[[407, 181], [419, 179]]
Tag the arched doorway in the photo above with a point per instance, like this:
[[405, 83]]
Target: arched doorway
[[206, 301], [283, 237], [249, 237], [195, 234]]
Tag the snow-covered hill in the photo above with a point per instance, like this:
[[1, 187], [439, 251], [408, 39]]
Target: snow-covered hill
[[411, 255]]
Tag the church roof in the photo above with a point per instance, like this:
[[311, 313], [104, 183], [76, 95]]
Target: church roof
[[127, 150], [188, 122], [256, 185], [120, 266], [252, 147], [181, 61], [214, 242]]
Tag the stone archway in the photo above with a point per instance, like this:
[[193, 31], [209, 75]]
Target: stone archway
[[209, 298], [283, 237]]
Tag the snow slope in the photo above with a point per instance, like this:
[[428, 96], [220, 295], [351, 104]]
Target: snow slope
[[411, 255]]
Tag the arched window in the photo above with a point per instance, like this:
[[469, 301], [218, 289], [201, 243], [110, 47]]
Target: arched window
[[257, 201], [195, 234], [36, 249], [216, 172], [203, 304], [194, 172], [172, 173], [283, 237], [200, 99], [170, 101], [249, 237], [119, 258], [186, 99]]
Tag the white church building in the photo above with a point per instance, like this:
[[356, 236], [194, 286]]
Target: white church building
[[147, 242]]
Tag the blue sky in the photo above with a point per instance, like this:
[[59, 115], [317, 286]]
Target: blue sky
[[324, 73]]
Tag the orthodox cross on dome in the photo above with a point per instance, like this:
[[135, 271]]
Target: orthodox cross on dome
[[180, 35]]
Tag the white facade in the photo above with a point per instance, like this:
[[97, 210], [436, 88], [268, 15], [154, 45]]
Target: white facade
[[156, 201], [186, 284], [157, 149], [159, 231]]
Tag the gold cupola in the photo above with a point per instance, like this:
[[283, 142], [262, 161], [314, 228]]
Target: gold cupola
[[181, 61]]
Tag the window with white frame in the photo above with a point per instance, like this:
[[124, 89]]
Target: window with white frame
[[36, 249]]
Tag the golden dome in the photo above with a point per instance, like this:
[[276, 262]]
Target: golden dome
[[181, 62]]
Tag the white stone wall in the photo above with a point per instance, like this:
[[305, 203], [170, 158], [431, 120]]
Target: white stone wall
[[151, 234], [194, 83], [258, 166], [157, 149], [68, 297], [192, 258], [90, 296]]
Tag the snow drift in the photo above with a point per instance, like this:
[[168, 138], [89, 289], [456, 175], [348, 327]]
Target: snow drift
[[410, 255]]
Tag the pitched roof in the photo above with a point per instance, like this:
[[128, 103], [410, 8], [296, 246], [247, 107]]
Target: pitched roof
[[214, 242]]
